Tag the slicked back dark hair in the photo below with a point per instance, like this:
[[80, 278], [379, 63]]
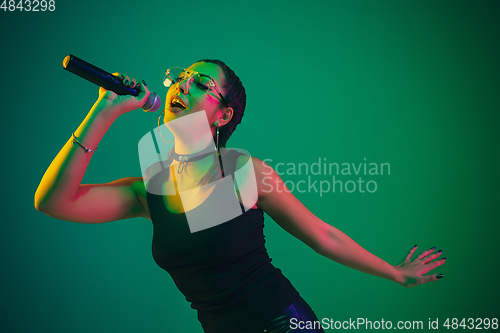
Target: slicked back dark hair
[[235, 96]]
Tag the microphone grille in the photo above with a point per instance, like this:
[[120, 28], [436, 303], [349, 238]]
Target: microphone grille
[[153, 103]]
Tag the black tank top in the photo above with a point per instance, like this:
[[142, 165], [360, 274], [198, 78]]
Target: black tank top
[[224, 271]]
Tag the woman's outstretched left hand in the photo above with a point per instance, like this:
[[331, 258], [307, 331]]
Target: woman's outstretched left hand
[[412, 271]]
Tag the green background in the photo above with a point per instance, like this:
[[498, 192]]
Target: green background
[[410, 83]]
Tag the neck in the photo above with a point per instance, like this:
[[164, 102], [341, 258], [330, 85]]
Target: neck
[[192, 133], [192, 145]]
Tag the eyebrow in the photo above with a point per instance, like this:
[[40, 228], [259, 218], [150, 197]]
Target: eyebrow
[[206, 75], [211, 78], [190, 70]]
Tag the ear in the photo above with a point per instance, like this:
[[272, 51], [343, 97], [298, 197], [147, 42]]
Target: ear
[[227, 114]]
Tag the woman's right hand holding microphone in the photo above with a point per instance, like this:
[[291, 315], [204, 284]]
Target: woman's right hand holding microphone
[[115, 104]]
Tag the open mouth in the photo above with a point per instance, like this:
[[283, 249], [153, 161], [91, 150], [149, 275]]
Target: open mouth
[[177, 104]]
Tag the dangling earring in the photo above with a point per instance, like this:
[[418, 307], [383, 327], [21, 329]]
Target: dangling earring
[[218, 151], [159, 131]]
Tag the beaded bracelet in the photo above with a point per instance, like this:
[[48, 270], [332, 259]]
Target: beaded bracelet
[[87, 149]]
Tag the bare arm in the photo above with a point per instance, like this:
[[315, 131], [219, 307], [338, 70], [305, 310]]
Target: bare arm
[[277, 201], [60, 193]]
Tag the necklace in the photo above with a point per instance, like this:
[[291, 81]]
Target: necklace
[[192, 157]]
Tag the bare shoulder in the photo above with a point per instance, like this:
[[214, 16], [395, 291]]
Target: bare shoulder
[[284, 208], [263, 172], [137, 184], [260, 167]]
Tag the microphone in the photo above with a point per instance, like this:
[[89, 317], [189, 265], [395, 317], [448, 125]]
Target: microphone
[[108, 81]]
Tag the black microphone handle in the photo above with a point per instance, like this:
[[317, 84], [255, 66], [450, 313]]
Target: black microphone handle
[[107, 80]]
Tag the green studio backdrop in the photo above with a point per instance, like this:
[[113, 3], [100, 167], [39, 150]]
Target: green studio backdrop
[[414, 84]]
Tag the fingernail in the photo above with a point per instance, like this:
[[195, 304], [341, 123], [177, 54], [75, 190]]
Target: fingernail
[[440, 251], [443, 258], [432, 248], [440, 276], [415, 245], [144, 83]]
